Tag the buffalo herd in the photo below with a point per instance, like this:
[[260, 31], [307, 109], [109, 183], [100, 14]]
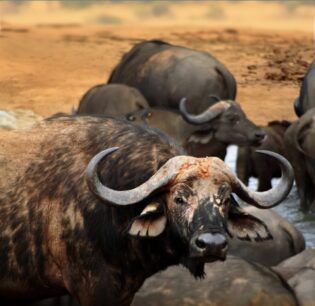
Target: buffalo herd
[[133, 181]]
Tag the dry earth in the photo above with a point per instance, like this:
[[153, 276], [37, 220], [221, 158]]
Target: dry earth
[[47, 68]]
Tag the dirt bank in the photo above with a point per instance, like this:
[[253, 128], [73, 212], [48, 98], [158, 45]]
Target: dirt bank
[[47, 68]]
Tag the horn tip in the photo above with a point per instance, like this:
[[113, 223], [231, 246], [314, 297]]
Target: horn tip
[[267, 152]]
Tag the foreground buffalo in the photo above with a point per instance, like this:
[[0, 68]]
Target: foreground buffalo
[[208, 134], [249, 164], [165, 73], [111, 100], [98, 232], [306, 100], [300, 148]]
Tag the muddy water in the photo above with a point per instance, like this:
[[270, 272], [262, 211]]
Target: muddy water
[[289, 209]]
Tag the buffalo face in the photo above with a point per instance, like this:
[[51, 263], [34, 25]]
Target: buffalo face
[[197, 215], [234, 127], [227, 122], [190, 200]]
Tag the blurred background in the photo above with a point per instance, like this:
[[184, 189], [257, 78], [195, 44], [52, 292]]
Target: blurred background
[[282, 15]]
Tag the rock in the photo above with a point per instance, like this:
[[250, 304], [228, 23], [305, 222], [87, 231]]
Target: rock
[[299, 271], [233, 282], [305, 259], [17, 119]]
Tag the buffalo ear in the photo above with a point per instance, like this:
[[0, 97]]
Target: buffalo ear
[[150, 223], [139, 106], [244, 226], [203, 138]]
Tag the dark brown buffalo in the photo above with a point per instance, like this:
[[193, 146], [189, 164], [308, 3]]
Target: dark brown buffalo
[[111, 100], [249, 164], [98, 231], [306, 99], [165, 73], [300, 150], [203, 135]]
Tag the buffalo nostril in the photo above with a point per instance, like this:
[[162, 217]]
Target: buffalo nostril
[[209, 245], [224, 244], [260, 134], [207, 240], [201, 243]]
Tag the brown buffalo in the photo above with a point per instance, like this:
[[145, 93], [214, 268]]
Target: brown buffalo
[[300, 150], [249, 164], [207, 134], [111, 100], [306, 99], [164, 73], [80, 216]]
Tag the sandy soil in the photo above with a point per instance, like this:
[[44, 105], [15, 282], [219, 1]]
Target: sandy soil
[[47, 67]]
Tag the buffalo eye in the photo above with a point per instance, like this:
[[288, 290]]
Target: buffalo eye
[[179, 201], [149, 115], [226, 202], [131, 118], [234, 119]]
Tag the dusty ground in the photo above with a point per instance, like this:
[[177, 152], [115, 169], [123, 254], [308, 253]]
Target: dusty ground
[[47, 67]]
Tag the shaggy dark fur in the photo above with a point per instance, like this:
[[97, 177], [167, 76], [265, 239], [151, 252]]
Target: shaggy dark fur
[[50, 200], [57, 237]]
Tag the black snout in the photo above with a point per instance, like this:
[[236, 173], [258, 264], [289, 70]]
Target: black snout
[[260, 135], [209, 246]]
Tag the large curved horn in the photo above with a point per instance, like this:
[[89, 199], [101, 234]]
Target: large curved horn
[[209, 114], [132, 196], [271, 197]]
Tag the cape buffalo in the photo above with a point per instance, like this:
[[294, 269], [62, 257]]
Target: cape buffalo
[[165, 73], [249, 164], [306, 99], [96, 223], [207, 134], [111, 100], [300, 150]]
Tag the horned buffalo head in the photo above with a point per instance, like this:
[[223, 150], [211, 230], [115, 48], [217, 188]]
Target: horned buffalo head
[[227, 122], [191, 198]]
